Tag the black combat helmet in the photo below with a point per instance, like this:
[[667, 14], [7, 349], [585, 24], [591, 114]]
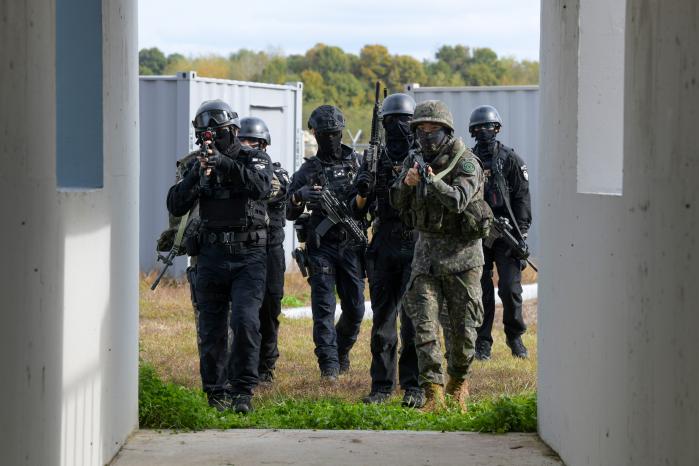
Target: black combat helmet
[[215, 114], [326, 118], [254, 128], [398, 104], [483, 115]]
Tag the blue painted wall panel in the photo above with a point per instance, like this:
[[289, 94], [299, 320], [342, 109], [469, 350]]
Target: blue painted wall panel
[[79, 152]]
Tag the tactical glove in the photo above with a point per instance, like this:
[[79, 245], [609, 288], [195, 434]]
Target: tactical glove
[[220, 163], [365, 183], [308, 194]]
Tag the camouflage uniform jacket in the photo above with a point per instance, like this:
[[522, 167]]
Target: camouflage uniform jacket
[[440, 249]]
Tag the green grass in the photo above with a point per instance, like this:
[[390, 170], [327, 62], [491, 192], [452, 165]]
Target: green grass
[[168, 406]]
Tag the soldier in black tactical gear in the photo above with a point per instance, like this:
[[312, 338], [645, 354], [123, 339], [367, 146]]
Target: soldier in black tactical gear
[[507, 193], [230, 183], [335, 260], [388, 260], [254, 133]]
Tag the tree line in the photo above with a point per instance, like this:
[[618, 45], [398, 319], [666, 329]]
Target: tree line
[[331, 75]]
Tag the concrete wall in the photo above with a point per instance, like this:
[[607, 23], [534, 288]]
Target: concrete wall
[[69, 281], [618, 312]]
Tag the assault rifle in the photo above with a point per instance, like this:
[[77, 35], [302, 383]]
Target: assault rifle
[[501, 228], [337, 213], [204, 181], [371, 155], [190, 230], [424, 178]]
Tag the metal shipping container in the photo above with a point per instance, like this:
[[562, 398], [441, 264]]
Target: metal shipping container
[[167, 107], [519, 109]]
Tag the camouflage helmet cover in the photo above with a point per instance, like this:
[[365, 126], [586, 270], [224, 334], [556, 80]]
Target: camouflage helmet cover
[[326, 118], [433, 111]]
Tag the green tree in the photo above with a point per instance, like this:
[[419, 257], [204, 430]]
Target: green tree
[[325, 60], [374, 64], [313, 86], [151, 61]]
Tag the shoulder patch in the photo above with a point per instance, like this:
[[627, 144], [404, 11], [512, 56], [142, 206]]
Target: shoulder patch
[[469, 167]]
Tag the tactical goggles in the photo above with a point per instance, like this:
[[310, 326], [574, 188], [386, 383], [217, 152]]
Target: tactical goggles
[[213, 118]]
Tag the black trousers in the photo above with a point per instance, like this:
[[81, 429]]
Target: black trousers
[[335, 265], [234, 274], [388, 267], [222, 360], [509, 290], [271, 308]]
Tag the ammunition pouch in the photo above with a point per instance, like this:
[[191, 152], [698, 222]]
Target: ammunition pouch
[[476, 220]]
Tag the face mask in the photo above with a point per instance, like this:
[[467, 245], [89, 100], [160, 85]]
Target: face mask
[[330, 145], [431, 143], [399, 138], [224, 138], [485, 134]]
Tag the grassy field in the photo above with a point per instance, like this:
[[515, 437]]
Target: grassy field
[[168, 345]]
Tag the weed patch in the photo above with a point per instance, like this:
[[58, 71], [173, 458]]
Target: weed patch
[[168, 406]]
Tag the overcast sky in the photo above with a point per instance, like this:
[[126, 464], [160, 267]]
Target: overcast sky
[[510, 27]]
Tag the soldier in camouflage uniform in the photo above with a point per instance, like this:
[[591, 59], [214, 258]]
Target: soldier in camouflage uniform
[[448, 261]]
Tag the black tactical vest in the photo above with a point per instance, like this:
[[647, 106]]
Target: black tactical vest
[[493, 167], [227, 207]]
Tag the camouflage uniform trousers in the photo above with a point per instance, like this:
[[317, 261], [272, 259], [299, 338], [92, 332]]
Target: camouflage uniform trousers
[[453, 301]]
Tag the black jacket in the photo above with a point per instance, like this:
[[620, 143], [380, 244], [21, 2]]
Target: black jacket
[[497, 159]]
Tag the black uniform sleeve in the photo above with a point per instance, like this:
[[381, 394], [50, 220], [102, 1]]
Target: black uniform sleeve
[[520, 200], [182, 196], [300, 179], [253, 173]]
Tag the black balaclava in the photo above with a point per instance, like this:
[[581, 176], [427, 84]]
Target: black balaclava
[[329, 145], [399, 138], [432, 143], [226, 141], [485, 139]]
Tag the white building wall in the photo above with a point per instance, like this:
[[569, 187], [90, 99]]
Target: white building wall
[[618, 300], [69, 321]]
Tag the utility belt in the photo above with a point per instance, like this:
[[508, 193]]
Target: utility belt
[[232, 237]]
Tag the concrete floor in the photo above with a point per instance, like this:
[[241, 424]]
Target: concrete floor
[[308, 447]]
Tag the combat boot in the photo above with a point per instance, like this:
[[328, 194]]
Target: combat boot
[[376, 398], [434, 398], [242, 404], [329, 375], [517, 347], [458, 389], [483, 349], [344, 361], [414, 398]]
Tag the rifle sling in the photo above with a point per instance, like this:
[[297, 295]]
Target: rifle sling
[[450, 167], [180, 231], [500, 180]]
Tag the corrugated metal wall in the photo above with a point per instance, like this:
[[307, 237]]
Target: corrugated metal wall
[[167, 107], [519, 108]]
